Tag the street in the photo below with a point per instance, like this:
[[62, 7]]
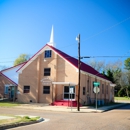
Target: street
[[117, 119]]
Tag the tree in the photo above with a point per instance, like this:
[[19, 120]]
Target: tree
[[97, 65], [125, 84], [113, 65], [22, 58], [116, 74], [127, 64], [110, 75]]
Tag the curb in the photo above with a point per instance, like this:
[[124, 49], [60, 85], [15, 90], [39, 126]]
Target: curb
[[3, 127]]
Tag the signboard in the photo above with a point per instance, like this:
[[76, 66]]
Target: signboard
[[96, 84], [71, 90], [46, 81], [96, 90]]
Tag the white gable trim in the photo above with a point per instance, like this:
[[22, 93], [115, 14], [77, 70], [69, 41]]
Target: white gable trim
[[37, 54], [34, 57]]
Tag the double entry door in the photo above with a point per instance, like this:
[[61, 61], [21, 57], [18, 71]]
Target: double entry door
[[69, 92]]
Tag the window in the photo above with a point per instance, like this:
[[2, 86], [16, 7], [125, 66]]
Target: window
[[88, 85], [46, 89], [84, 90], [69, 92], [93, 86], [47, 71], [107, 89], [102, 88], [6, 89], [47, 54], [26, 89]]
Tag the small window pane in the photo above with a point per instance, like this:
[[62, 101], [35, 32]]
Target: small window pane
[[102, 88], [84, 90], [88, 85], [72, 96], [47, 54], [26, 89], [47, 71], [66, 89], [46, 89], [107, 89]]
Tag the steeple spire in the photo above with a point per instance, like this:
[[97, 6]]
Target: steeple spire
[[51, 43]]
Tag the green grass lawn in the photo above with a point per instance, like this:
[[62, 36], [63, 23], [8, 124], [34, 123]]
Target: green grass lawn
[[122, 98], [8, 104], [18, 119]]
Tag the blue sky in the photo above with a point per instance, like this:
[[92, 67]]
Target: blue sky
[[104, 26]]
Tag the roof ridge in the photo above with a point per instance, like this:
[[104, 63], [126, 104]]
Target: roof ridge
[[13, 66]]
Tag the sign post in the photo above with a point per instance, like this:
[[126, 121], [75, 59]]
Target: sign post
[[71, 91], [96, 90]]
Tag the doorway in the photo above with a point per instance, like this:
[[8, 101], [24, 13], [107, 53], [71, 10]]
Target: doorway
[[69, 93]]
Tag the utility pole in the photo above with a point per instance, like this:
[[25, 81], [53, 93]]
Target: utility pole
[[78, 38]]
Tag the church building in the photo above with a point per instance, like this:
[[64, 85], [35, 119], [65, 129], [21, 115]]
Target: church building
[[51, 76]]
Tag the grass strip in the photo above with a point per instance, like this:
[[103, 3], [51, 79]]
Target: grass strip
[[122, 98], [18, 119], [8, 104]]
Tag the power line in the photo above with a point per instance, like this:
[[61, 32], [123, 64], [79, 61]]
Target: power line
[[107, 56], [106, 29], [99, 32]]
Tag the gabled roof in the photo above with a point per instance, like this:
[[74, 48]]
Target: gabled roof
[[8, 79], [84, 67], [11, 72], [13, 67]]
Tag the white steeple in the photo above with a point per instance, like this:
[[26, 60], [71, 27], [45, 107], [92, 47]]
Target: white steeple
[[51, 43]]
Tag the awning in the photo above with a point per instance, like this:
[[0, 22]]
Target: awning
[[65, 83], [49, 81]]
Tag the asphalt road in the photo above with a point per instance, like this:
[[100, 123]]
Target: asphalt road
[[117, 119]]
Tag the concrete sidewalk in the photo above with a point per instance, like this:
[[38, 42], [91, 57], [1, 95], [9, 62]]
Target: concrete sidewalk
[[85, 109], [6, 117]]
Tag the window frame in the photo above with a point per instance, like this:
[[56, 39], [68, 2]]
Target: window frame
[[27, 90], [47, 73], [102, 88], [106, 89], [46, 90], [88, 84], [47, 54], [84, 90]]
